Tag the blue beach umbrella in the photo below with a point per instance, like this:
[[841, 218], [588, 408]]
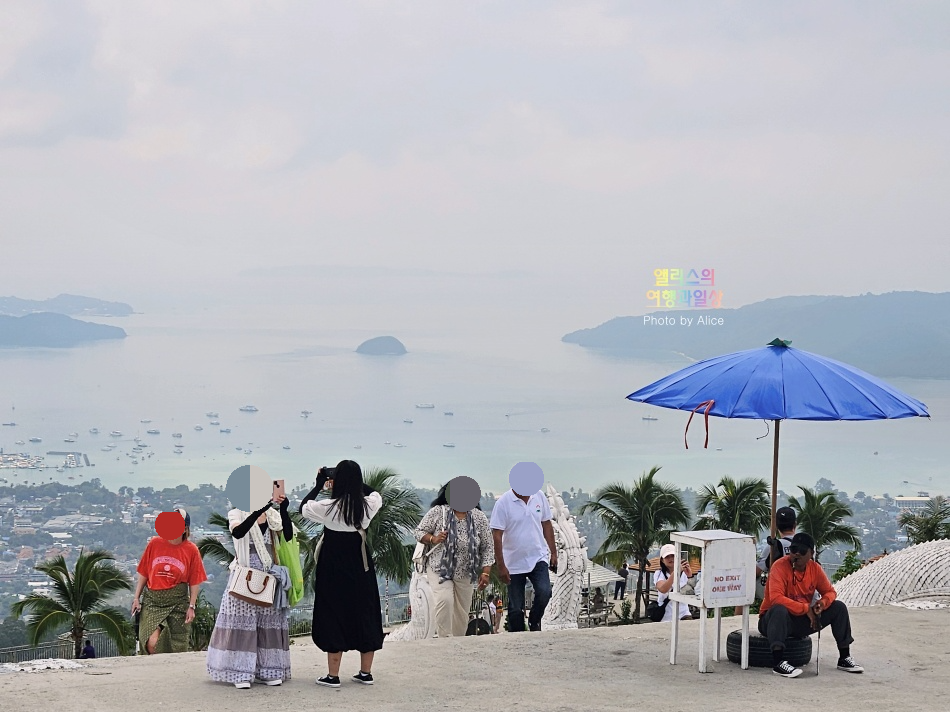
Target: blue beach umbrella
[[776, 383]]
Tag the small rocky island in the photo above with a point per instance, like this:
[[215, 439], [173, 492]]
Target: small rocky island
[[45, 329], [382, 346], [68, 304]]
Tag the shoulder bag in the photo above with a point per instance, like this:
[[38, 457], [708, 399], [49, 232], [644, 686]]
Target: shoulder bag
[[252, 585], [420, 555]]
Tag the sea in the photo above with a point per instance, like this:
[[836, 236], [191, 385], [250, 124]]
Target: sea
[[514, 390]]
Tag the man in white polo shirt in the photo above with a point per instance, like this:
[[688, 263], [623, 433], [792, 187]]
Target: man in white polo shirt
[[524, 544]]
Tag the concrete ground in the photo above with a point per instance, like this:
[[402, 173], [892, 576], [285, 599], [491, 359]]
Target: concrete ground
[[906, 655]]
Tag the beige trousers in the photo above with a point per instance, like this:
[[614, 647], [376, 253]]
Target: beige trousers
[[452, 603]]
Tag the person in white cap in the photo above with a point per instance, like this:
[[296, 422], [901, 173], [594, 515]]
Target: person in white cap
[[663, 581]]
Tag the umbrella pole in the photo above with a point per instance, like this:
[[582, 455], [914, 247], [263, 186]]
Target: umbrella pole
[[775, 475]]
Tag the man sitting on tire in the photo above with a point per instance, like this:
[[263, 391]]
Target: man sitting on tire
[[790, 608]]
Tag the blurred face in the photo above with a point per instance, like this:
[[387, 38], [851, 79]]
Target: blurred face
[[799, 557], [668, 560]]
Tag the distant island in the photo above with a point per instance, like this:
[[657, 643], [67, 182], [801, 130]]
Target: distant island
[[899, 334], [68, 304], [382, 346], [52, 330]]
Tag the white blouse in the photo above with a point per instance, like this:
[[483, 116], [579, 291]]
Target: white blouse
[[319, 511]]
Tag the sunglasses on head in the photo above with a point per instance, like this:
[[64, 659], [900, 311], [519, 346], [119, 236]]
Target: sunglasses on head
[[799, 550]]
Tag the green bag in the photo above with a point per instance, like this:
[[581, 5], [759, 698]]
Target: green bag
[[288, 554]]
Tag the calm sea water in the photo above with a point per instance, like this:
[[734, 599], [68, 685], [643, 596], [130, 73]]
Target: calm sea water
[[503, 384]]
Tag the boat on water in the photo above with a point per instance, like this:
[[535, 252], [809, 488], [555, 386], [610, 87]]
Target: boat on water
[[93, 431], [10, 424], [649, 417], [225, 430], [212, 414], [215, 422], [408, 420], [176, 435], [106, 449], [74, 435], [248, 409], [154, 431], [387, 443], [305, 413], [116, 433], [448, 412], [198, 427], [425, 405], [448, 444], [135, 462], [286, 447], [61, 469], [36, 440], [19, 442], [68, 440], [145, 420], [398, 445], [545, 430], [247, 452], [357, 447]]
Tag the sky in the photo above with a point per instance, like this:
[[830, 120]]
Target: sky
[[540, 158]]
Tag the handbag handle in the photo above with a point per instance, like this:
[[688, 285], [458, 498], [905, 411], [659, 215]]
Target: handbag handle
[[263, 586]]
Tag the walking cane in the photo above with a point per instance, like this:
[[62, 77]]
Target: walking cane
[[818, 655]]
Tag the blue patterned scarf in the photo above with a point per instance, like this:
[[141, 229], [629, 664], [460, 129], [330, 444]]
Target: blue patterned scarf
[[449, 549]]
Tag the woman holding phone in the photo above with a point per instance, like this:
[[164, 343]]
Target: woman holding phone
[[346, 611], [663, 581], [250, 642]]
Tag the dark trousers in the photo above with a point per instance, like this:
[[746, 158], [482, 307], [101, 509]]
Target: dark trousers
[[620, 589], [541, 583], [777, 624]]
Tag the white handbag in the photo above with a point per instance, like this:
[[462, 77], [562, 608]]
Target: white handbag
[[420, 555], [253, 586]]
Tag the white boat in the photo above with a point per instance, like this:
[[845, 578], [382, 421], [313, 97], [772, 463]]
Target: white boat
[[225, 430], [178, 451], [198, 427], [145, 420], [68, 440], [448, 444], [545, 430], [649, 417], [247, 452], [387, 443], [19, 442], [61, 469], [153, 431], [215, 422], [116, 433], [448, 412], [286, 447], [135, 462], [106, 449], [211, 414], [408, 420], [176, 435], [93, 431], [398, 445], [36, 440], [425, 405], [248, 409], [74, 435], [357, 447]]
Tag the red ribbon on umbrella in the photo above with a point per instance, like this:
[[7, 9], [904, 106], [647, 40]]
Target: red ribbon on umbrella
[[708, 404]]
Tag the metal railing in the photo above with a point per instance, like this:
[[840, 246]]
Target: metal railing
[[62, 649]]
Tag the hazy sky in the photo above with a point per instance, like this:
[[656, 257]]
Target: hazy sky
[[548, 154]]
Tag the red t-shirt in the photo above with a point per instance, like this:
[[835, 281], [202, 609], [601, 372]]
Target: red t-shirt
[[166, 565]]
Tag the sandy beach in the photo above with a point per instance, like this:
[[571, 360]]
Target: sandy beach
[[905, 653]]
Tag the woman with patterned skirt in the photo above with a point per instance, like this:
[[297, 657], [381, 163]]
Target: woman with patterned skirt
[[249, 642]]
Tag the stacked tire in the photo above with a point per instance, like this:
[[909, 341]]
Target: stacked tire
[[797, 650]]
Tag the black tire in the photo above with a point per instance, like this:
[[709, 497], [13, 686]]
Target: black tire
[[797, 650]]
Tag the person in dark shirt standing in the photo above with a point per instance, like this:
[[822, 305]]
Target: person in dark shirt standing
[[620, 588]]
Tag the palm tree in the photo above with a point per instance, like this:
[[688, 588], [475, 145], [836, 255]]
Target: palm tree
[[743, 507], [636, 518], [821, 516], [388, 538], [79, 600], [930, 523]]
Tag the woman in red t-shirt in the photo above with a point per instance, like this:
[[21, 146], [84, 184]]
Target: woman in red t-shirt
[[169, 574]]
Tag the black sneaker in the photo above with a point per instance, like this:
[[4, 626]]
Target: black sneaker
[[786, 669], [329, 681], [848, 665], [364, 677]]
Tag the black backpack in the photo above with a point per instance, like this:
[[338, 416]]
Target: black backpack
[[478, 626], [776, 551]]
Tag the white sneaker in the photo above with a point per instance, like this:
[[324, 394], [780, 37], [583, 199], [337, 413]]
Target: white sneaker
[[242, 685], [269, 683]]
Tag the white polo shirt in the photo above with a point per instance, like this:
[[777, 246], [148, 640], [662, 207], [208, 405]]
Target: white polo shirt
[[522, 543]]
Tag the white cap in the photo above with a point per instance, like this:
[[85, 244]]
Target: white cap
[[667, 550]]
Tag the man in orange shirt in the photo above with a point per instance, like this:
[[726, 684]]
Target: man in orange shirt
[[799, 599]]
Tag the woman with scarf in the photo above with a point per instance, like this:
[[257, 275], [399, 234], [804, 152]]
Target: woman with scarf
[[250, 642], [461, 558], [169, 574], [346, 610]]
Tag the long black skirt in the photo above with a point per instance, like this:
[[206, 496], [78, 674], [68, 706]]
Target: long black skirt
[[346, 610]]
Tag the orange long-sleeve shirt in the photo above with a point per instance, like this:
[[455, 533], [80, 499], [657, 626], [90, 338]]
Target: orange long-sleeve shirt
[[794, 590]]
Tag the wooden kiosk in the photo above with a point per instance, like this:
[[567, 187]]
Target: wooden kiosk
[[728, 579]]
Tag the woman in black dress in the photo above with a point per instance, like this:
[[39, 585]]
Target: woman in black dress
[[346, 610]]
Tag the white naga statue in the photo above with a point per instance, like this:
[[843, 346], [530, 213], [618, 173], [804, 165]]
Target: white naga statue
[[565, 603]]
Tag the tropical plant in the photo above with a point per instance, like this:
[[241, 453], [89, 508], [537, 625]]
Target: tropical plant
[[850, 564], [203, 624], [79, 600], [636, 518], [822, 515], [743, 507], [930, 523]]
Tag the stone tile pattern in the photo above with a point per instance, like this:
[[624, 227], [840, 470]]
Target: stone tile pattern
[[920, 572]]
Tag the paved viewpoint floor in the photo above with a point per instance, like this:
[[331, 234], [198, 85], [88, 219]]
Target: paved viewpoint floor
[[906, 654]]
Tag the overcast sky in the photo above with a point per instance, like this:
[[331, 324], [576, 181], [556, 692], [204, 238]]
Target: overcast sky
[[554, 148]]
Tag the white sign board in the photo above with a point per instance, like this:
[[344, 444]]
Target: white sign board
[[727, 583]]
